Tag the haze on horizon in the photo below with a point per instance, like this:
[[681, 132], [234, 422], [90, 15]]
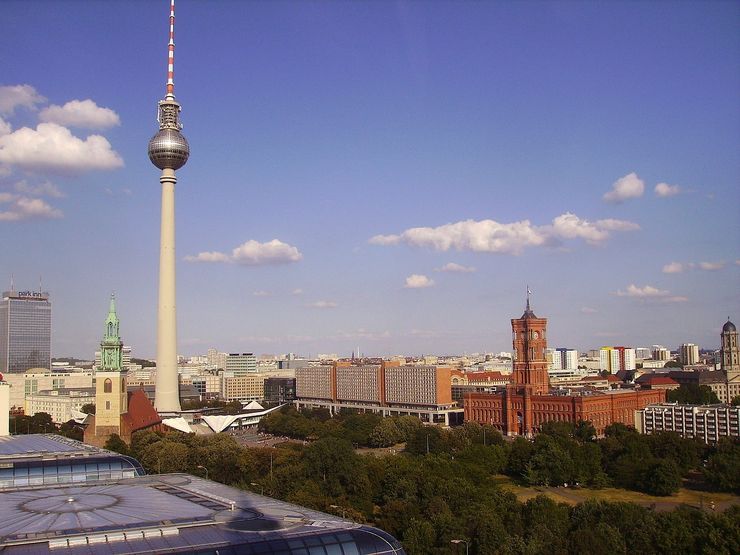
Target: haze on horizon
[[384, 174]]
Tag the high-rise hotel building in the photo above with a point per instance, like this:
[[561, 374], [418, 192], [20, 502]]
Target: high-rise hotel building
[[25, 331]]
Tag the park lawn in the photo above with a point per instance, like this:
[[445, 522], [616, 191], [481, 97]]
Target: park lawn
[[573, 496]]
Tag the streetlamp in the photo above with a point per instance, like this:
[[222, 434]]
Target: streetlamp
[[204, 468], [462, 541], [262, 488], [338, 507]]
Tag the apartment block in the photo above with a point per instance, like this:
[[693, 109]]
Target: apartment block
[[708, 423]]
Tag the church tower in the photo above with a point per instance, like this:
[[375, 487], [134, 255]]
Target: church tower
[[730, 352], [111, 399], [529, 342]]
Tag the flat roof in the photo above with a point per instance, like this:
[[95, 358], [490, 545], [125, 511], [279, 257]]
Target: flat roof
[[43, 445], [172, 512]]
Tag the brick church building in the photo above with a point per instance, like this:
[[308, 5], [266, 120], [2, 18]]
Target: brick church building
[[528, 402]]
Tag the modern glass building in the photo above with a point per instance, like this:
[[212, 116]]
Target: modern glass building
[[25, 331], [48, 459]]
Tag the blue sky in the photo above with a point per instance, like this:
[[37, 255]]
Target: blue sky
[[387, 175]]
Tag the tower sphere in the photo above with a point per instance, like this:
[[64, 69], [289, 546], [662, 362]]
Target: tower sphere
[[169, 149]]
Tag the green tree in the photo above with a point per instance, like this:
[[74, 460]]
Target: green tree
[[385, 434], [735, 401], [419, 538], [520, 452], [692, 394], [71, 430], [722, 471], [115, 443], [601, 539], [662, 477], [88, 408]]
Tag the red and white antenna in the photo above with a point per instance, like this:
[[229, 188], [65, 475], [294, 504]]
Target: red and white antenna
[[171, 54]]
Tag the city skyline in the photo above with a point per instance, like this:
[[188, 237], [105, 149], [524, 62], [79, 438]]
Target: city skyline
[[388, 175]]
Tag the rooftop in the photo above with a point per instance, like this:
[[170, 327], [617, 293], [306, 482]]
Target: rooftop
[[43, 445], [172, 512]]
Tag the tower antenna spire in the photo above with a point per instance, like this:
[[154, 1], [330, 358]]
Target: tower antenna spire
[[529, 292], [171, 55]]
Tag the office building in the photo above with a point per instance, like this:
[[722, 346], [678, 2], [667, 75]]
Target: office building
[[564, 359], [689, 354], [708, 423], [642, 353], [614, 359], [25, 331], [60, 403], [388, 388], [660, 353], [242, 387], [241, 364], [279, 390]]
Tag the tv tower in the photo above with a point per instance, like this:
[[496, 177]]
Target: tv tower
[[168, 150]]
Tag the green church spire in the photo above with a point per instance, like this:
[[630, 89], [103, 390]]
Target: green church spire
[[111, 348]]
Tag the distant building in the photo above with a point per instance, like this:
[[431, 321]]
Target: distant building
[[280, 390], [657, 381], [564, 359], [242, 387], [614, 359], [689, 354], [523, 406], [709, 423], [40, 379], [59, 403], [241, 364], [661, 353], [387, 388], [208, 386], [25, 331], [642, 353]]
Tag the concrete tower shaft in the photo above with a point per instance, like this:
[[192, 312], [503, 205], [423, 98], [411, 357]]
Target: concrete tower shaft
[[168, 151]]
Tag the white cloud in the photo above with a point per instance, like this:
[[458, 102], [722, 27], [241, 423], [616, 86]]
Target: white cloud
[[262, 294], [673, 268], [253, 253], [24, 208], [507, 238], [322, 304], [80, 113], [297, 292], [642, 292], [418, 281], [648, 292], [208, 257], [454, 267], [664, 190], [13, 96], [361, 334], [627, 187], [588, 310], [52, 148], [678, 267], [711, 266], [737, 262], [5, 127], [47, 188]]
